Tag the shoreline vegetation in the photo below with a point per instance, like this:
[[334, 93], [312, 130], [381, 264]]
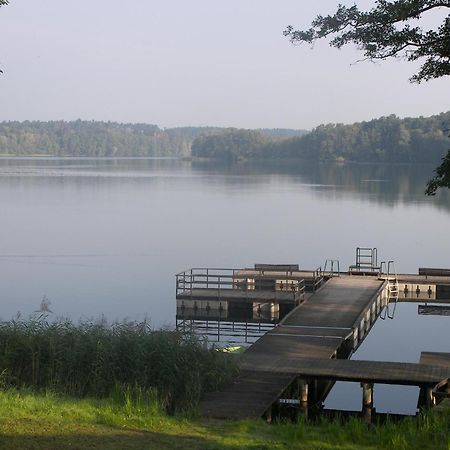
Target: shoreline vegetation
[[123, 385], [384, 140], [42, 421], [83, 138], [97, 359]]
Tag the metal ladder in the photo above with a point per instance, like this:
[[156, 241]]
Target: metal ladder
[[331, 268], [392, 288]]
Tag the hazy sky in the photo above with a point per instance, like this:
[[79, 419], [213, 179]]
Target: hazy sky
[[197, 62]]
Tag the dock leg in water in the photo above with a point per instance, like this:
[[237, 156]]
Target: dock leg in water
[[367, 402], [303, 385], [429, 398]]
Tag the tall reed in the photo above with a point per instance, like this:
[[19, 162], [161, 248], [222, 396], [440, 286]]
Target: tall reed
[[92, 358]]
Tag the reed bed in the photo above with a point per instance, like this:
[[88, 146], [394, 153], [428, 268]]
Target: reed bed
[[96, 359]]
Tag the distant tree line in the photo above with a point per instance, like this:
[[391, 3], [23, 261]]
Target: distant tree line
[[388, 139], [231, 144], [104, 139], [94, 139]]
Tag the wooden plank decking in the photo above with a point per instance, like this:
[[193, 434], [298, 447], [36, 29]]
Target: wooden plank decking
[[315, 329], [384, 372], [435, 359], [247, 397]]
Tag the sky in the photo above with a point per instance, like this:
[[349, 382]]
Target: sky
[[194, 63]]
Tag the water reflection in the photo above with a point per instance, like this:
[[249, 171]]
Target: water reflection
[[387, 184]]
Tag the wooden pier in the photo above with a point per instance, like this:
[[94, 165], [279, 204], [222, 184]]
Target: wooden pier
[[326, 317], [329, 324]]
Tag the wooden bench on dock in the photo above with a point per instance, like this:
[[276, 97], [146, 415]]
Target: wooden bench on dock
[[434, 272], [289, 268]]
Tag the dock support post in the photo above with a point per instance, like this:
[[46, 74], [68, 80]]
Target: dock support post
[[367, 401], [268, 415], [303, 385], [426, 397], [429, 403]]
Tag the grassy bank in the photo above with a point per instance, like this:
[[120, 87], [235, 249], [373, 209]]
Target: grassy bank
[[99, 386], [48, 421], [97, 359]]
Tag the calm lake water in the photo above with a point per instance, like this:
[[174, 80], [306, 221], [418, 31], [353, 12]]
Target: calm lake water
[[106, 237]]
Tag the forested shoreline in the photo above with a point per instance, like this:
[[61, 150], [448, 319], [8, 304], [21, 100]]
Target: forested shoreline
[[387, 139], [95, 139], [106, 139]]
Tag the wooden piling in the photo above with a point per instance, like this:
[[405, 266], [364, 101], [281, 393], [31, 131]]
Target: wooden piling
[[303, 385], [367, 401]]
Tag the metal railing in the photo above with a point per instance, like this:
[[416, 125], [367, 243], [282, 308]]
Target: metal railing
[[223, 280], [204, 278], [317, 279], [331, 268], [226, 331]]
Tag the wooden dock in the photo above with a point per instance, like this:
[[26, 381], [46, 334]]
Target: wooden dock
[[333, 320], [324, 317]]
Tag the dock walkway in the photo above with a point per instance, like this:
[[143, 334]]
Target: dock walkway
[[318, 328], [382, 372]]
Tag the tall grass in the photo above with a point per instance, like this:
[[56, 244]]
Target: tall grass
[[92, 358], [430, 430]]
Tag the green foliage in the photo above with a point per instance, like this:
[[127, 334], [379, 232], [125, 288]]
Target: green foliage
[[43, 421], [442, 178], [230, 145], [282, 133], [103, 139], [390, 29], [388, 139], [92, 359], [94, 139]]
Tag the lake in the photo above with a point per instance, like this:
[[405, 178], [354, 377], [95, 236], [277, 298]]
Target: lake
[[107, 236]]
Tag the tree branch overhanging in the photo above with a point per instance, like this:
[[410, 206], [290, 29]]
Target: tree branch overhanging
[[385, 32], [442, 177]]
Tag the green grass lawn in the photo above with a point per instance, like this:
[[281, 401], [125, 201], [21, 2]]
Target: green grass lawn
[[49, 421]]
